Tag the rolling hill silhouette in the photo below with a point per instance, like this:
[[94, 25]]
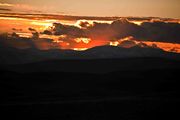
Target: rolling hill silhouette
[[101, 83], [10, 55]]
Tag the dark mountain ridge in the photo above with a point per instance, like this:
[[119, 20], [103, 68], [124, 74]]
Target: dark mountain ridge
[[11, 55], [100, 83]]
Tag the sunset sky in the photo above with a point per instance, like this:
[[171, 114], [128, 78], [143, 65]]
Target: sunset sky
[[155, 8], [83, 24]]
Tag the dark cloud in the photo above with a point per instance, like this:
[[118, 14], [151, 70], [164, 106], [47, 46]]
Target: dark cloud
[[38, 15], [157, 31], [15, 41], [142, 45], [160, 31], [15, 29], [47, 32], [60, 29], [124, 28], [5, 9], [99, 31], [32, 29], [14, 35], [35, 35], [127, 44], [117, 30], [84, 24]]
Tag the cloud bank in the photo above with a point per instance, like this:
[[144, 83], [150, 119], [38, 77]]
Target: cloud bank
[[87, 34], [5, 9], [156, 31]]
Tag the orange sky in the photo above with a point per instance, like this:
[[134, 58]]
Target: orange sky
[[22, 24], [155, 8], [41, 14]]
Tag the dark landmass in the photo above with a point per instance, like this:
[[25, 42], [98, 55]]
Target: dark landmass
[[11, 55], [126, 89], [96, 66], [100, 83]]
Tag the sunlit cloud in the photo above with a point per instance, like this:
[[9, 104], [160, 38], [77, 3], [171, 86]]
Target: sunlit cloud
[[84, 40], [6, 5], [22, 8], [15, 6], [81, 33]]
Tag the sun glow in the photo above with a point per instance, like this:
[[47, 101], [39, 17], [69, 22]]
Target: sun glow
[[127, 38], [20, 25], [26, 35], [137, 22], [44, 25], [169, 47], [80, 49], [116, 43], [84, 40], [11, 18]]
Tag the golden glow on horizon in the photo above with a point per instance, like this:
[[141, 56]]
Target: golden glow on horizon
[[84, 40], [169, 47], [6, 4], [11, 18], [79, 44], [26, 35], [127, 38], [137, 22], [44, 25], [80, 49], [116, 43]]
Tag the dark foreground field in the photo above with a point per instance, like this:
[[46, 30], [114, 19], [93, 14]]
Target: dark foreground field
[[124, 89]]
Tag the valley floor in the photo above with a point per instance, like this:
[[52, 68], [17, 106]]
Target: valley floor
[[124, 94]]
